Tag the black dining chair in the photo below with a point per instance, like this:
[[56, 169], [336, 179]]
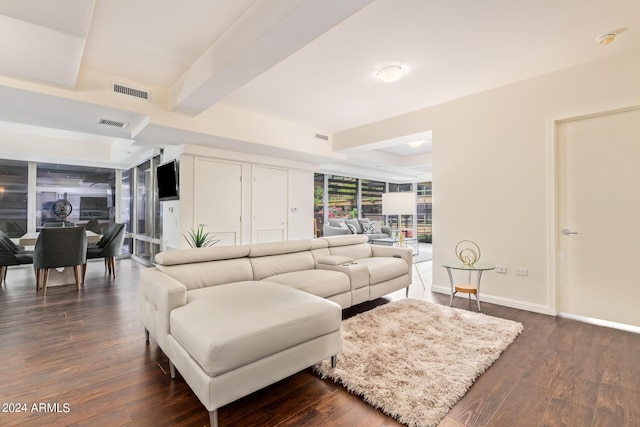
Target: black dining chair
[[59, 247], [109, 246], [11, 254]]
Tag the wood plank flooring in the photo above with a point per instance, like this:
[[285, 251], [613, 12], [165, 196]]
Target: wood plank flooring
[[82, 359]]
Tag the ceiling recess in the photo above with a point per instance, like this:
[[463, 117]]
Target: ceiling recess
[[130, 91], [117, 124]]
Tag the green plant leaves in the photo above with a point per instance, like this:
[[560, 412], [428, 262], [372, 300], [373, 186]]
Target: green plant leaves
[[198, 238]]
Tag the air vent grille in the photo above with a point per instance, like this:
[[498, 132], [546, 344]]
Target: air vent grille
[[323, 137], [107, 122], [130, 91]]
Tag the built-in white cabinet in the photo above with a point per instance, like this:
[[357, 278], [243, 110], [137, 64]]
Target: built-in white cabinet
[[240, 202], [270, 192], [217, 202]]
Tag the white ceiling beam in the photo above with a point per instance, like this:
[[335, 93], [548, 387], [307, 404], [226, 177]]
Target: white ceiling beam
[[43, 41], [267, 33]]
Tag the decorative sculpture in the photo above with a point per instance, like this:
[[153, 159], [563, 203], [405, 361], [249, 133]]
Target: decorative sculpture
[[469, 254]]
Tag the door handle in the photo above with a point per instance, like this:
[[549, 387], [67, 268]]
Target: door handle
[[566, 232]]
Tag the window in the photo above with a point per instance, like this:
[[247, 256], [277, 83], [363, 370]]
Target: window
[[343, 197], [371, 200], [424, 212], [89, 191], [13, 197], [126, 209], [318, 201], [147, 220]]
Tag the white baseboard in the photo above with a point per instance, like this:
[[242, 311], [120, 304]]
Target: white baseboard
[[600, 322], [507, 302], [536, 308]]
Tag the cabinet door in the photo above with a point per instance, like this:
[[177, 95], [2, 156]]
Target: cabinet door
[[218, 199], [270, 204]]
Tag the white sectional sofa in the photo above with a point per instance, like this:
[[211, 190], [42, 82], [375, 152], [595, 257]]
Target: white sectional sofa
[[235, 319]]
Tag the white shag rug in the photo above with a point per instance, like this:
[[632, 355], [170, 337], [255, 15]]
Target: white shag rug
[[414, 360]]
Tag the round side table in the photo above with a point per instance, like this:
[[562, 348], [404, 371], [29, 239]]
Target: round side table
[[467, 288]]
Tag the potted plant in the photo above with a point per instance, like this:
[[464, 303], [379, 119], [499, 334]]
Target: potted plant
[[198, 238]]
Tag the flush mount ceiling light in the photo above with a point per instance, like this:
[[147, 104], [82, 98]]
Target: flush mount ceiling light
[[416, 144], [606, 38], [390, 74]]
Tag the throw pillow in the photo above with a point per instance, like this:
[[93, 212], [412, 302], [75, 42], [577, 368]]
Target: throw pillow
[[362, 221], [343, 226], [352, 228], [369, 228], [355, 224], [378, 227]]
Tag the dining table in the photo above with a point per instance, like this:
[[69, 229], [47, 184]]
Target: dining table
[[29, 239], [57, 276]]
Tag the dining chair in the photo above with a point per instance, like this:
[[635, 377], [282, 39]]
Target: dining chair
[[11, 254], [59, 247], [109, 246]]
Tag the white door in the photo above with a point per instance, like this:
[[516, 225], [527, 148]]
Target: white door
[[218, 200], [270, 204], [599, 200]]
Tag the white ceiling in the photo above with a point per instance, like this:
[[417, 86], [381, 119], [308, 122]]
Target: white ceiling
[[310, 62]]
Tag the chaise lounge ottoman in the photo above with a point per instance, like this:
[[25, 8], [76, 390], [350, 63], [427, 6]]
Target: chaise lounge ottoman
[[231, 340]]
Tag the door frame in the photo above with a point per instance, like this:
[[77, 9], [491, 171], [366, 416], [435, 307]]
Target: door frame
[[554, 222]]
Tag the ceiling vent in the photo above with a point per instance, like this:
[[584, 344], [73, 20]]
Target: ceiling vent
[[107, 122], [323, 137], [130, 91]]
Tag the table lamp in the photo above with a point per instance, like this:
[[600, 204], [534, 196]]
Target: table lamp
[[399, 204]]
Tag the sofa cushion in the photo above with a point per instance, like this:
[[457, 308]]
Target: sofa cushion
[[335, 222], [382, 269], [323, 283], [239, 323], [356, 252], [188, 256], [319, 249], [279, 248], [334, 241], [211, 273], [267, 266]]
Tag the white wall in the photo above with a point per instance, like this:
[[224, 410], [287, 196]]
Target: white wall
[[493, 170]]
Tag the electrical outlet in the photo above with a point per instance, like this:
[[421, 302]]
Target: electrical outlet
[[522, 271], [501, 269]]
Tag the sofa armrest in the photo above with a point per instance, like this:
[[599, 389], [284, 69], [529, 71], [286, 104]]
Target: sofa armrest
[[358, 273], [334, 260], [159, 294], [388, 251], [328, 230], [387, 230]]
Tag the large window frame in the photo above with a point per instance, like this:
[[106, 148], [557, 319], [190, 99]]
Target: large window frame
[[145, 243], [142, 246], [366, 196]]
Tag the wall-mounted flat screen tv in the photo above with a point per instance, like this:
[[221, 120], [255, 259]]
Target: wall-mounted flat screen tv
[[168, 181]]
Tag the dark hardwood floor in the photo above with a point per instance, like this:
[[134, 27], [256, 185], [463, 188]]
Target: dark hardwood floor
[[81, 358]]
